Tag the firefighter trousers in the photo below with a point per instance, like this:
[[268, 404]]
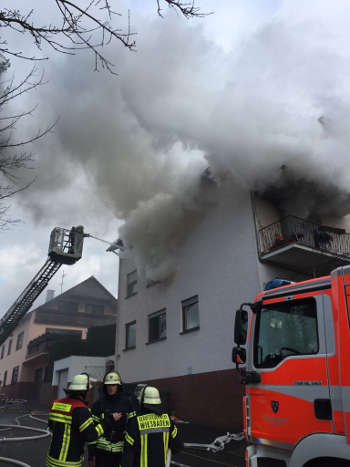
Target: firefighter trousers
[[108, 459]]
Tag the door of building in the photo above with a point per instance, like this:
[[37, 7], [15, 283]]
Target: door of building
[[62, 383]]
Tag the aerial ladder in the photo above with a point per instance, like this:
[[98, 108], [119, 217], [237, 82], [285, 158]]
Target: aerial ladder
[[66, 247]]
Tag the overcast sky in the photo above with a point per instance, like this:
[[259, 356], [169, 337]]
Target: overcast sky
[[241, 90]]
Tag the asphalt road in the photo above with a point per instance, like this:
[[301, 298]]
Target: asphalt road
[[33, 452]]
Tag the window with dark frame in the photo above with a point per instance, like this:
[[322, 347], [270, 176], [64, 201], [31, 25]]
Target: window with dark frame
[[9, 347], [130, 335], [19, 343], [2, 351], [94, 308], [68, 307], [190, 314], [5, 378], [157, 326], [131, 283], [15, 372]]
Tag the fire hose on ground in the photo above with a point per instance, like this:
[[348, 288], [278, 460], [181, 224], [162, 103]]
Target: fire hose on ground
[[218, 444], [14, 461], [4, 427]]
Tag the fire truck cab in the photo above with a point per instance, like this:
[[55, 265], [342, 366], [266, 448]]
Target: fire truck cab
[[293, 350]]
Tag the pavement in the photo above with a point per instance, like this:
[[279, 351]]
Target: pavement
[[33, 452]]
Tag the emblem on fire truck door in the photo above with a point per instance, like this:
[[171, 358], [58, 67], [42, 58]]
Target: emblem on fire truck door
[[275, 406]]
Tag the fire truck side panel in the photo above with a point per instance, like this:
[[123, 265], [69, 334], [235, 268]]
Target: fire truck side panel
[[340, 284], [344, 322], [332, 337], [282, 405]]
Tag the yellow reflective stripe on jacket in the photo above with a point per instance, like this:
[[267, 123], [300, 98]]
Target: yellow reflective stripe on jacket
[[65, 443], [61, 407], [165, 443], [51, 462], [174, 432], [129, 439], [131, 414], [144, 453], [99, 429], [57, 417], [95, 418], [104, 445], [85, 424]]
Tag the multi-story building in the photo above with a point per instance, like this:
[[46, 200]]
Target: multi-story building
[[24, 362], [178, 334]]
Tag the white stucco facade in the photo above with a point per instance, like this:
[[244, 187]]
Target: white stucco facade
[[75, 364], [219, 263]]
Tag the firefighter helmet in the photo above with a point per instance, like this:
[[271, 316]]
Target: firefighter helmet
[[139, 390], [81, 382], [151, 396], [112, 378]]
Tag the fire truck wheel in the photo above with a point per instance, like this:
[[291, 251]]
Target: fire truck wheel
[[328, 462]]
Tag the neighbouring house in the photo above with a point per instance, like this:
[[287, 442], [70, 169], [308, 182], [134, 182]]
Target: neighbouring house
[[178, 333], [65, 368], [26, 357]]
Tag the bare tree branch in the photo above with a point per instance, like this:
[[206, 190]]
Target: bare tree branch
[[84, 25], [12, 163], [187, 9], [76, 29], [80, 26]]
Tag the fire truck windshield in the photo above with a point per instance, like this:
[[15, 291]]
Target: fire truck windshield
[[284, 329]]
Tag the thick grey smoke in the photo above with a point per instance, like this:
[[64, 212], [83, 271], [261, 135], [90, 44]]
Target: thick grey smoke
[[272, 111]]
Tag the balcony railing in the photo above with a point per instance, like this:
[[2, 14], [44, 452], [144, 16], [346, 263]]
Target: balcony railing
[[296, 230]]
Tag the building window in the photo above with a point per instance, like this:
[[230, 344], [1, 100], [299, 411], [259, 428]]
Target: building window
[[2, 351], [131, 283], [130, 335], [19, 343], [5, 377], [68, 307], [190, 314], [9, 347], [157, 326], [94, 309], [14, 378]]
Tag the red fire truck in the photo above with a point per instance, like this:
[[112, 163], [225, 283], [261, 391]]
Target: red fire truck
[[294, 342]]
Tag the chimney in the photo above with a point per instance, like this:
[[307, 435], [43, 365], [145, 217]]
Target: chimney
[[49, 295]]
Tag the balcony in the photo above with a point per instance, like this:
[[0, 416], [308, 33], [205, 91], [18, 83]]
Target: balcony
[[304, 246]]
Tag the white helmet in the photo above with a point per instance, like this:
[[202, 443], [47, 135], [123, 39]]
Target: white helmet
[[81, 382], [112, 378], [151, 396]]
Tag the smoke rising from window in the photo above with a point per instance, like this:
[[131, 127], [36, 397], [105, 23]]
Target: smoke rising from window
[[273, 107]]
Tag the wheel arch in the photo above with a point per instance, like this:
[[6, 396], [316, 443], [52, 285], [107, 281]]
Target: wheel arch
[[319, 446]]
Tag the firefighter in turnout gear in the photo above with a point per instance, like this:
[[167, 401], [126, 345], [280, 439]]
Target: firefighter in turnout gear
[[71, 425], [151, 435], [107, 450]]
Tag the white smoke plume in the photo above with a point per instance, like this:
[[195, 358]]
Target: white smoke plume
[[276, 98]]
